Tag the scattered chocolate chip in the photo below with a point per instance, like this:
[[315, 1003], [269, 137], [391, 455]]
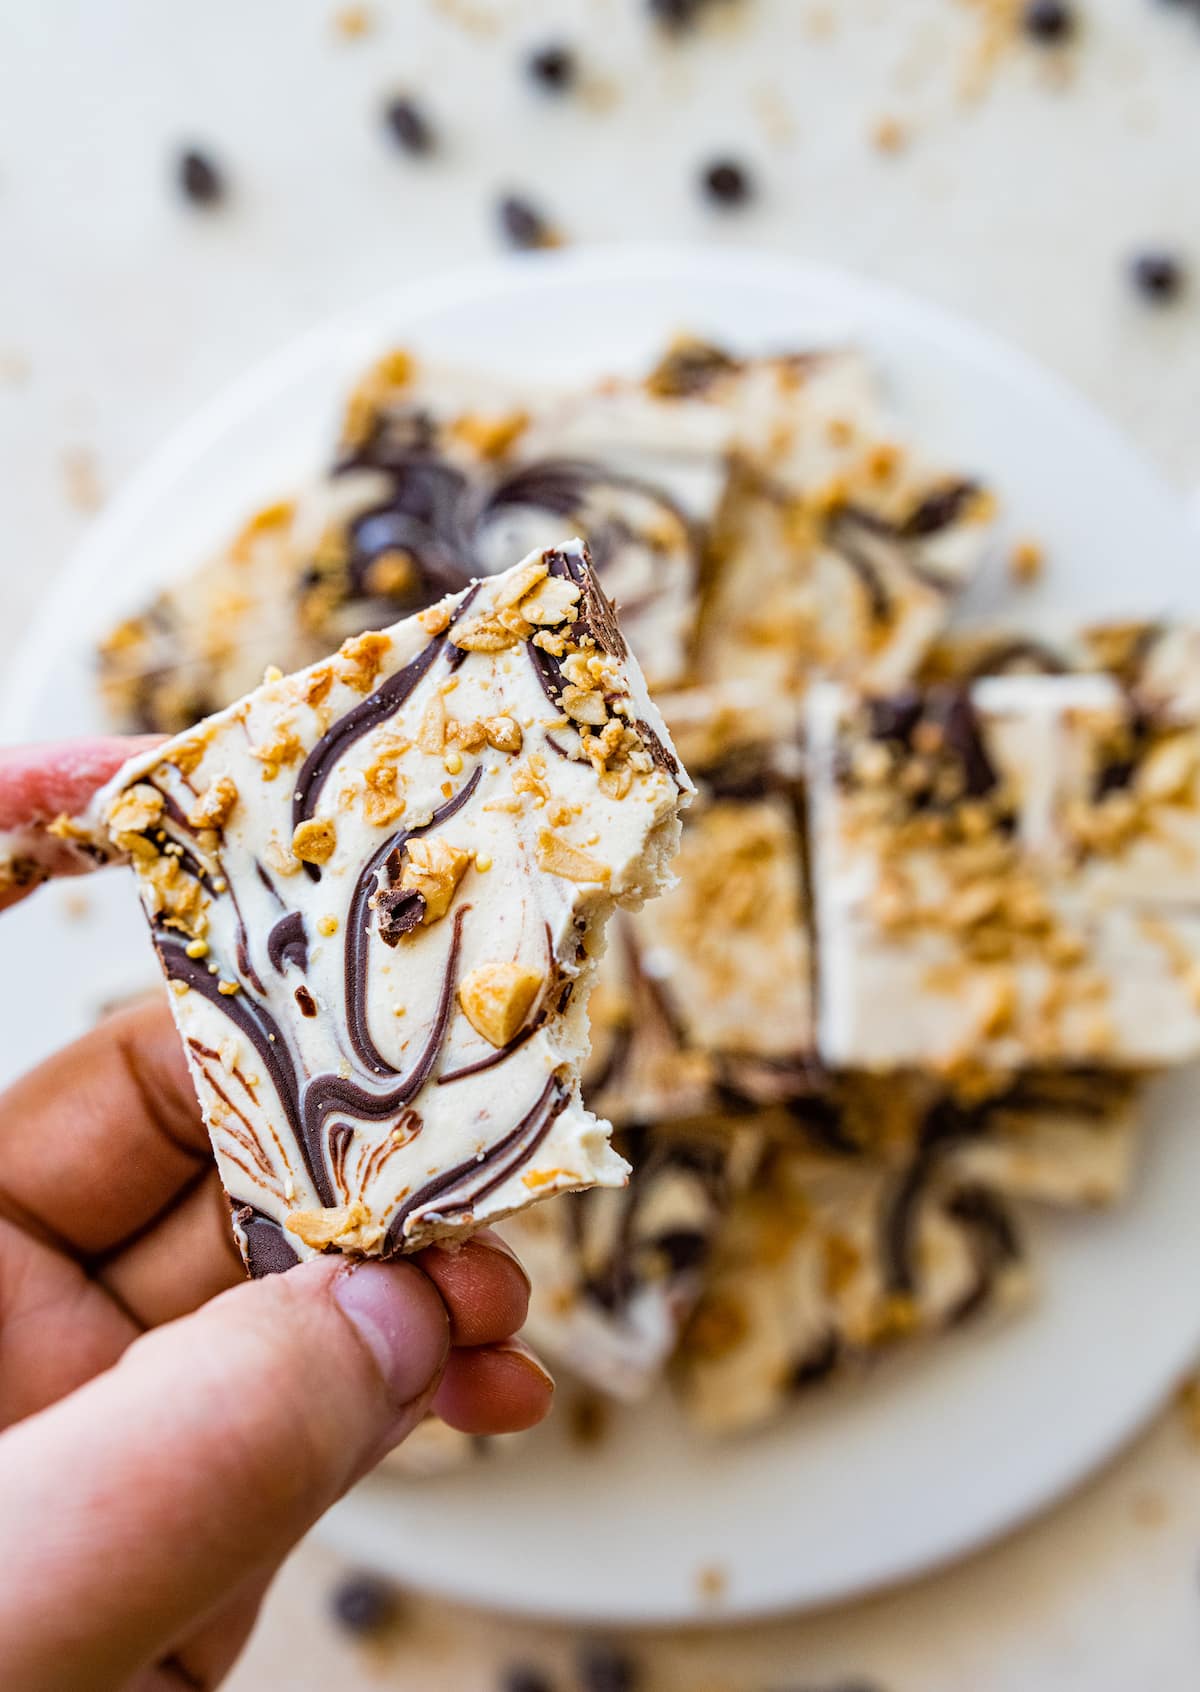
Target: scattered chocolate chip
[[364, 1604], [589, 1416], [675, 14], [603, 1668], [199, 178], [1049, 20], [524, 1678], [523, 225], [408, 125], [1160, 276], [308, 1005], [552, 66], [726, 182]]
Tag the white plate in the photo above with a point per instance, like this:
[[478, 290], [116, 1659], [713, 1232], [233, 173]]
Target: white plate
[[858, 1487]]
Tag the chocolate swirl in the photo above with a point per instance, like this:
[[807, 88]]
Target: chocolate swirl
[[326, 1094], [288, 943], [526, 1137], [266, 1037], [375, 708], [358, 931]]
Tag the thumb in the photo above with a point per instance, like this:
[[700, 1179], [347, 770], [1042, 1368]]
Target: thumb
[[137, 1504]]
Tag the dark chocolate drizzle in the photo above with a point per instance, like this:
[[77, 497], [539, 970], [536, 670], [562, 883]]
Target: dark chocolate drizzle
[[288, 943], [266, 1249], [358, 934], [595, 616], [938, 510], [498, 1056], [526, 1137], [861, 565], [263, 1033], [325, 1094], [386, 699], [953, 709]]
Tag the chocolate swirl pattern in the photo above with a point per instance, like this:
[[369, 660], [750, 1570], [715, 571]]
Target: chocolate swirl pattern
[[347, 1027]]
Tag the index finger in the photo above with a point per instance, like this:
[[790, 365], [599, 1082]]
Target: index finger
[[40, 783]]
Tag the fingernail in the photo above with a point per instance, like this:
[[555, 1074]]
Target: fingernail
[[518, 1349], [402, 1322]]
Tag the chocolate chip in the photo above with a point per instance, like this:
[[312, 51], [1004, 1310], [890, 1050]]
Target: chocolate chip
[[523, 225], [400, 910], [408, 125], [524, 1678], [308, 1005], [200, 178], [726, 182], [364, 1604], [675, 14], [1159, 275], [604, 1668], [552, 66], [1049, 20]]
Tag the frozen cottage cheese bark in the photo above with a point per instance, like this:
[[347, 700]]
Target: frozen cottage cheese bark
[[830, 1260], [1005, 876], [378, 889], [616, 1273]]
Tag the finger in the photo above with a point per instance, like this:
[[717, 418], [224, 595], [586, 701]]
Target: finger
[[200, 1460], [483, 1286], [185, 1258], [207, 1654], [98, 1140], [39, 783], [497, 1389], [57, 1327]]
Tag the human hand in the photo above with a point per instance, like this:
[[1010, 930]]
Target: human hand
[[170, 1430]]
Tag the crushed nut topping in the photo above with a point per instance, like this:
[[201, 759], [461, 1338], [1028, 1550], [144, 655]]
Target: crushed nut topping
[[213, 808], [433, 868], [496, 999], [347, 1226], [315, 841], [383, 795], [361, 659], [490, 437], [285, 748], [558, 857], [131, 814]]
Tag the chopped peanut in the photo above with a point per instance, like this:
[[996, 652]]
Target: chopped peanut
[[496, 998]]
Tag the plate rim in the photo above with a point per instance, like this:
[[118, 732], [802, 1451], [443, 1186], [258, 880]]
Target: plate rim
[[151, 483]]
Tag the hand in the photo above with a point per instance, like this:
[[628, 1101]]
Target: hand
[[170, 1429]]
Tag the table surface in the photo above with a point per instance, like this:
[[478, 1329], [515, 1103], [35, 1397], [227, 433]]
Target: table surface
[[919, 143]]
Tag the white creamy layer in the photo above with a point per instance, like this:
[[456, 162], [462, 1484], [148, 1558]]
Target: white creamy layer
[[371, 1096], [1073, 937]]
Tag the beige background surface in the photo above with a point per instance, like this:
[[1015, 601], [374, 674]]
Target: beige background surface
[[1021, 186]]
